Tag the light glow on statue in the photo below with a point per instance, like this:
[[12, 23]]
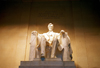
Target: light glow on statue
[[50, 35], [50, 41]]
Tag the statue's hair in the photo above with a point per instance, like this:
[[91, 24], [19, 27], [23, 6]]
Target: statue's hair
[[50, 24]]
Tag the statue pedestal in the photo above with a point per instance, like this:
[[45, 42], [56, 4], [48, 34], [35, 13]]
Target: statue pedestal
[[48, 63]]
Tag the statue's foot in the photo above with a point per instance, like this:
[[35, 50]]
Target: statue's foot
[[42, 57], [53, 57]]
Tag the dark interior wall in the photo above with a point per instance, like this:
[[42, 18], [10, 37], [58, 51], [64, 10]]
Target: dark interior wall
[[79, 18], [49, 0]]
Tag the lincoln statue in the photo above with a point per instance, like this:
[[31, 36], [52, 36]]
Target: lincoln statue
[[46, 44]]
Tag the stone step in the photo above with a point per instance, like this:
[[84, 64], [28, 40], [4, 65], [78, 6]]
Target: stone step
[[48, 59], [47, 63], [47, 67]]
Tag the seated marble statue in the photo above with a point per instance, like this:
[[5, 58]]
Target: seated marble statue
[[46, 44]]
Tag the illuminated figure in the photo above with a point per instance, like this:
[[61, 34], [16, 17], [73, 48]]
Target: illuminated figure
[[45, 45]]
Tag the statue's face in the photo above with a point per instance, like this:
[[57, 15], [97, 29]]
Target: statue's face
[[50, 26]]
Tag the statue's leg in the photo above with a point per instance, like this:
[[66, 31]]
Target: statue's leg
[[38, 47], [54, 47], [37, 52], [48, 50], [43, 45]]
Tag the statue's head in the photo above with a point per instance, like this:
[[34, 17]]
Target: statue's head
[[50, 27]]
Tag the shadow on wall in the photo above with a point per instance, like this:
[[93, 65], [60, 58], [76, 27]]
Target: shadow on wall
[[11, 12]]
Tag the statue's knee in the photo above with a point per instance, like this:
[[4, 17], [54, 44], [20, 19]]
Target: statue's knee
[[43, 39], [55, 40]]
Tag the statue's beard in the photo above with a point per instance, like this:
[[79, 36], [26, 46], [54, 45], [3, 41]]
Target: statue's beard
[[50, 29]]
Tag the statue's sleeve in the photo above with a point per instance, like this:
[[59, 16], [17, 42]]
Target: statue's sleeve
[[33, 44]]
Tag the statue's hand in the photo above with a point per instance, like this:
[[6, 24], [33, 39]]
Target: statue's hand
[[62, 32], [34, 32]]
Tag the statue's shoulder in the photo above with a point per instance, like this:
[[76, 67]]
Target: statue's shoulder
[[56, 33], [44, 34]]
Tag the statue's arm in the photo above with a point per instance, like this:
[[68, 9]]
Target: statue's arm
[[35, 38], [64, 39], [45, 35], [59, 37]]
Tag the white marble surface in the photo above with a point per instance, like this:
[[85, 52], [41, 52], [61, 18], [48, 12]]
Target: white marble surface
[[52, 40]]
